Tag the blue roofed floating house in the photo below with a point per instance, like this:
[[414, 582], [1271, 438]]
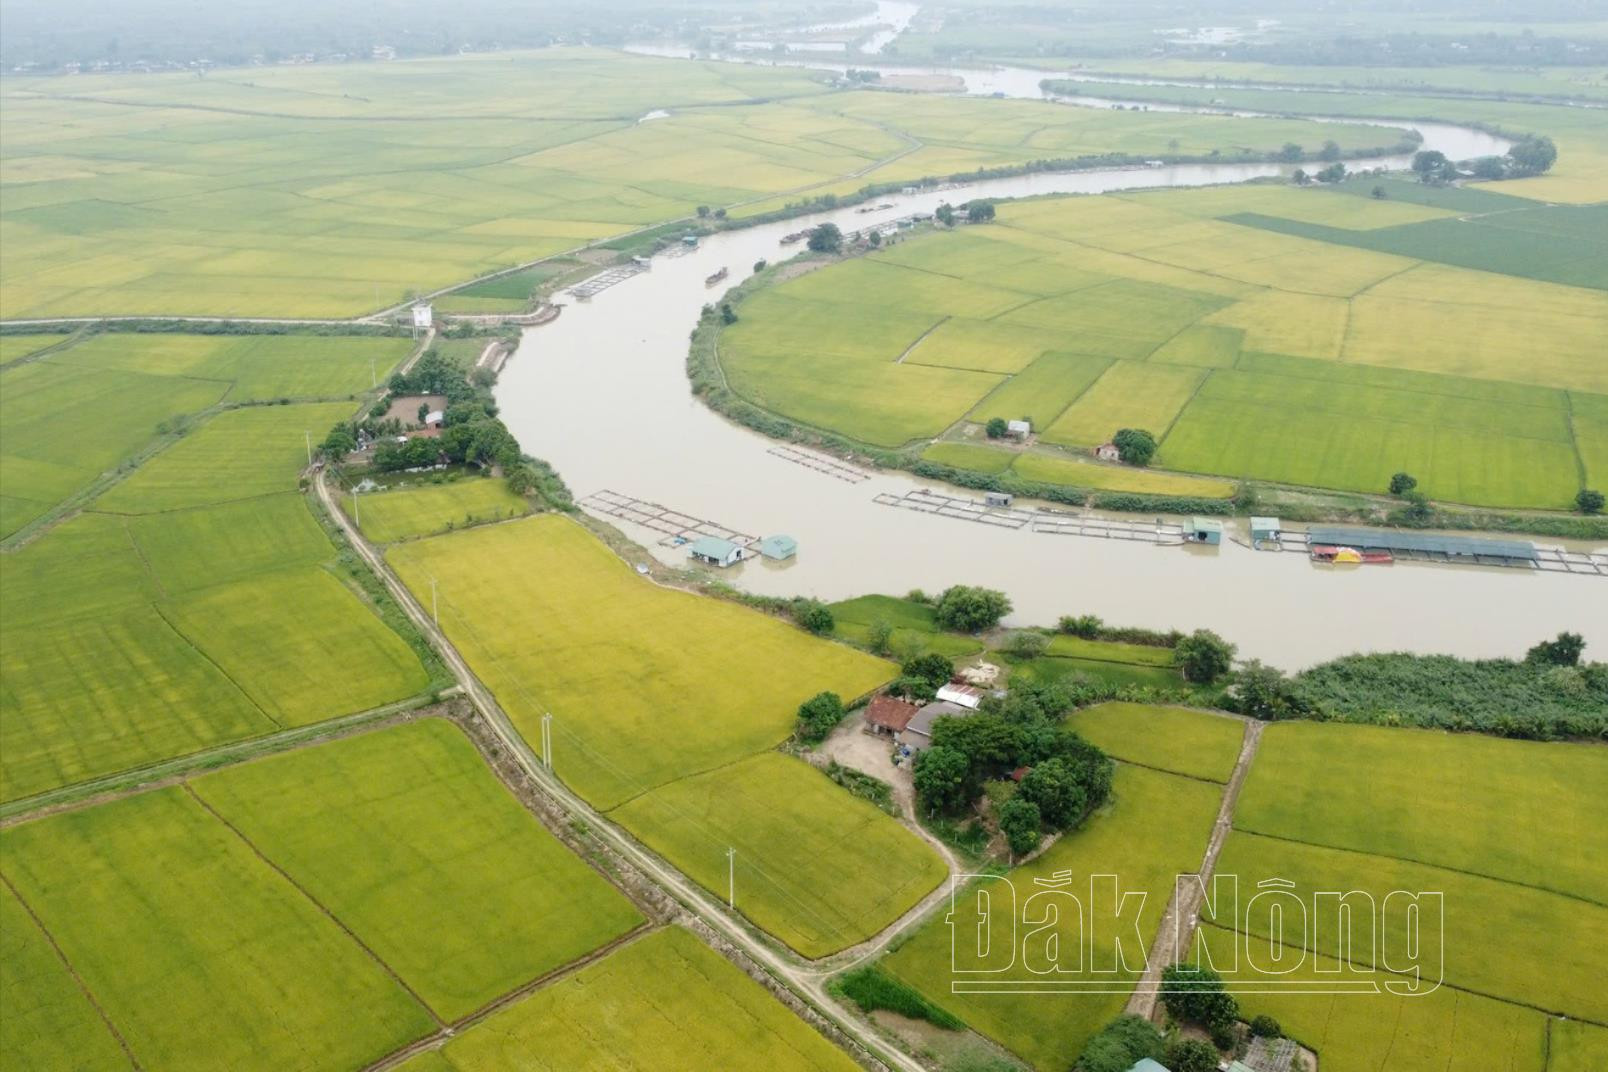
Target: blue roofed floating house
[[714, 551], [778, 547], [1205, 530]]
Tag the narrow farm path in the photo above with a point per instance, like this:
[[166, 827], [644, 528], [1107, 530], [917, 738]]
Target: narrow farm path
[[1171, 940], [802, 981]]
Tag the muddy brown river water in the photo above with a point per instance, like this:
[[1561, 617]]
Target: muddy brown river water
[[602, 393]]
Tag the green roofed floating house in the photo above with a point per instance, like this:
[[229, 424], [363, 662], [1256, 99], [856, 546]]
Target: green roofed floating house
[[714, 551], [1205, 530], [779, 547]]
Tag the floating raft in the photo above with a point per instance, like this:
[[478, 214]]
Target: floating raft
[[678, 527], [821, 463], [711, 280], [597, 284], [932, 502], [1050, 522]]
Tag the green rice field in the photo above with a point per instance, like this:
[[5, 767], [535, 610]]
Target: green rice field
[[1155, 827], [1305, 354], [1504, 831], [208, 937], [804, 849], [192, 603], [303, 911], [665, 1000], [396, 833], [77, 413], [426, 509], [1172, 739], [665, 707]]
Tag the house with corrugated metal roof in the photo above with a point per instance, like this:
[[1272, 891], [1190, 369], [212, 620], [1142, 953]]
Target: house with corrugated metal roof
[[714, 551], [917, 736]]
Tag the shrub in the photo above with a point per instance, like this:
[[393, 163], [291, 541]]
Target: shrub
[[871, 989], [813, 616], [1402, 483], [1191, 1055], [1264, 1026], [1589, 501], [931, 667], [1204, 656], [1027, 643], [879, 636], [819, 716], [1086, 626], [1195, 995], [1020, 822], [996, 427]]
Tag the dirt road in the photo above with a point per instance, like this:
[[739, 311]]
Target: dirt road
[[1172, 941]]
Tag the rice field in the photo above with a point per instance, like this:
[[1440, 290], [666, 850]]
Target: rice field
[[1172, 739], [1503, 831], [397, 833], [1251, 354], [806, 851], [191, 604], [665, 707], [352, 211], [83, 411], [303, 911], [1437, 799], [1450, 1030], [1155, 827], [208, 938], [426, 509], [239, 454], [665, 1000]]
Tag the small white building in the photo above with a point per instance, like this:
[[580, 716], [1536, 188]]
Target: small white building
[[1019, 429], [423, 315], [1108, 452]]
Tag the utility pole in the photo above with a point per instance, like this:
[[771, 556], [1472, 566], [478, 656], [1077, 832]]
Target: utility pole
[[357, 513], [309, 437], [731, 877], [435, 608], [547, 740], [373, 379]]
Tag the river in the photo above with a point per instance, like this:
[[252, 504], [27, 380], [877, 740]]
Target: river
[[602, 393]]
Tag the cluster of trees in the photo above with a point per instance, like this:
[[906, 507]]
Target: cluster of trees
[[472, 433], [965, 608], [1553, 692], [1069, 777], [1335, 172], [1135, 446], [1125, 1041], [1531, 155], [827, 238]]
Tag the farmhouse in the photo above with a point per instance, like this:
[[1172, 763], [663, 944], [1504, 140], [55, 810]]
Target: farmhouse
[[435, 419], [917, 736], [714, 551], [968, 696], [778, 547], [1108, 452], [889, 714], [1204, 530]]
